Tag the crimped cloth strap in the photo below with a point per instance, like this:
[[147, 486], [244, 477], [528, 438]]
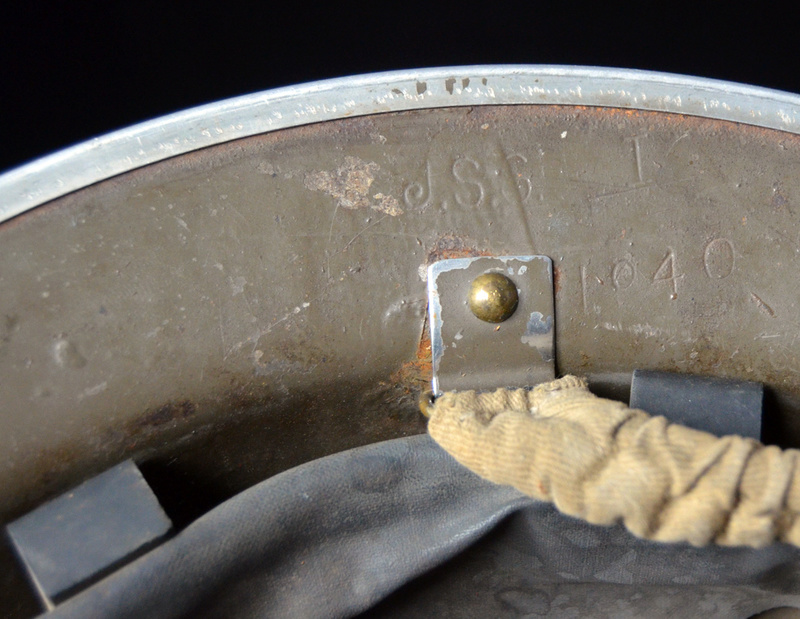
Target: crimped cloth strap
[[601, 461]]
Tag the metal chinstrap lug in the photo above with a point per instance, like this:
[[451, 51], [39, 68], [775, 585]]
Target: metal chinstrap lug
[[492, 322]]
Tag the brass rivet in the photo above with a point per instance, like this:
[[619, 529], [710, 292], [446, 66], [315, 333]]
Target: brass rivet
[[493, 297]]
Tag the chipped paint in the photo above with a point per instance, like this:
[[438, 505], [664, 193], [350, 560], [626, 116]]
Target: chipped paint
[[387, 204], [539, 335], [537, 325], [237, 285], [350, 183], [761, 305], [435, 309]]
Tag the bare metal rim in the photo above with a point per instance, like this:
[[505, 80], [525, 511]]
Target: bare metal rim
[[55, 175]]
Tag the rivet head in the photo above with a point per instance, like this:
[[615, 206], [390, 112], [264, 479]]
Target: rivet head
[[493, 297]]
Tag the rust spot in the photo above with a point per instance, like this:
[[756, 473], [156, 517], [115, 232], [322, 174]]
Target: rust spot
[[416, 375], [454, 246], [556, 279], [171, 411]]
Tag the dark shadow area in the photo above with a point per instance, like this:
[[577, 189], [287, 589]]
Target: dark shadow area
[[774, 427], [258, 440], [16, 595], [183, 496], [255, 439]]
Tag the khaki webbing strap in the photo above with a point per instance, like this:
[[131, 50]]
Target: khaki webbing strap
[[601, 461]]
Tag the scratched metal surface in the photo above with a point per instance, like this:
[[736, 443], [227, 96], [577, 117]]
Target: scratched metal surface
[[230, 313]]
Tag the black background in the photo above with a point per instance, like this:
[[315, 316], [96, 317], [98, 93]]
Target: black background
[[73, 70]]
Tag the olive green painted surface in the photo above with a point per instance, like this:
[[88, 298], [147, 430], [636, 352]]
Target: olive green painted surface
[[236, 311]]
